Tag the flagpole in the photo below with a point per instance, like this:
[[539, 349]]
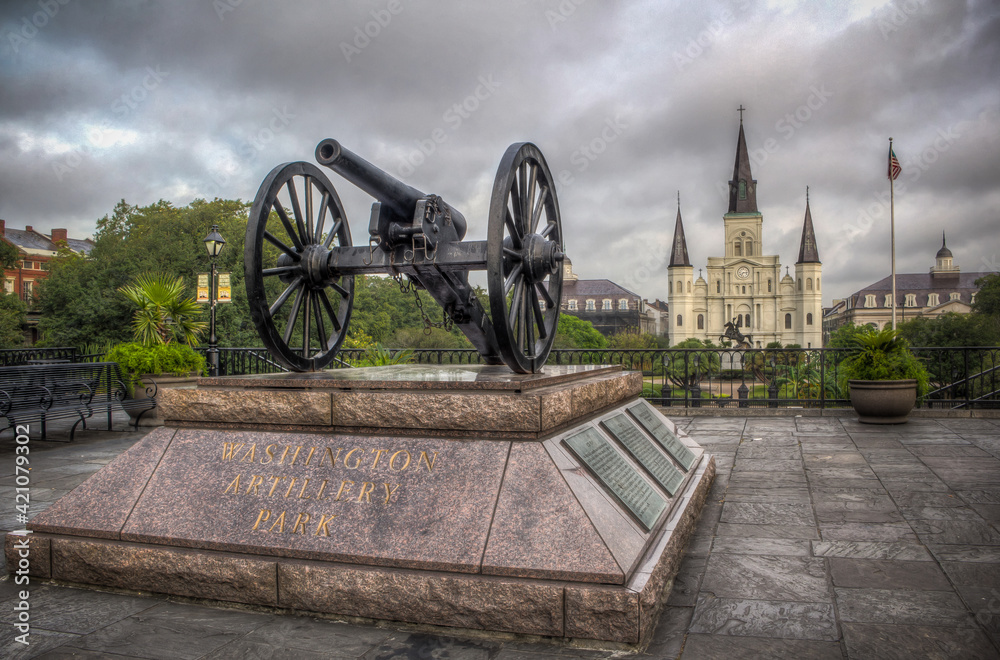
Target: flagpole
[[892, 235]]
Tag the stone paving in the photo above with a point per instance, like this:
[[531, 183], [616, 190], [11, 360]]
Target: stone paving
[[823, 538]]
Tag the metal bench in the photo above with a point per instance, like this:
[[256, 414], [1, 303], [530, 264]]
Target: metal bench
[[45, 392]]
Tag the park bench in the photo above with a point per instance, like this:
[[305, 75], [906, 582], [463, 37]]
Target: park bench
[[40, 393]]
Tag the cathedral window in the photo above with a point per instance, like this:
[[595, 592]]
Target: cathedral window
[[718, 286], [689, 286], [743, 189], [746, 322], [769, 286], [738, 248], [680, 321], [809, 319], [572, 305], [800, 284], [680, 287], [817, 284], [623, 303], [932, 300], [911, 300], [955, 296], [606, 304], [870, 300], [701, 321], [788, 321], [744, 289], [749, 248], [809, 284], [590, 305]]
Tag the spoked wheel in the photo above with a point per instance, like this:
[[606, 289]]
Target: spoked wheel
[[524, 255], [301, 309]]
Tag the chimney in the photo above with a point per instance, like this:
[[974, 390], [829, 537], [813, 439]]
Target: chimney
[[3, 227], [28, 228], [59, 236]]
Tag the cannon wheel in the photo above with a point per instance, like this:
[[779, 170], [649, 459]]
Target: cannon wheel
[[524, 256], [297, 300]]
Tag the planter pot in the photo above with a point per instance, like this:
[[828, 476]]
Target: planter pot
[[883, 401], [189, 382]]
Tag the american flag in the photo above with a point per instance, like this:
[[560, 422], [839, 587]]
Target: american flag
[[894, 168]]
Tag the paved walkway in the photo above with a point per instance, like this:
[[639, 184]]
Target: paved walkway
[[822, 538]]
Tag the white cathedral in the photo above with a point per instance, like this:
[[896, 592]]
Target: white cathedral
[[746, 286]]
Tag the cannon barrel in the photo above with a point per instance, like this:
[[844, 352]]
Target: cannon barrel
[[399, 197]]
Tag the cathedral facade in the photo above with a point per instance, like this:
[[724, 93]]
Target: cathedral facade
[[745, 287]]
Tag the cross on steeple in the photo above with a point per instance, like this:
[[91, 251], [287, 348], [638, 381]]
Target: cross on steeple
[[740, 110]]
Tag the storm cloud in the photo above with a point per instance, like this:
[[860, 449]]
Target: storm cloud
[[630, 102]]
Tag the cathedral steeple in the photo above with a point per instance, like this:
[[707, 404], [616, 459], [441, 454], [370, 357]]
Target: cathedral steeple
[[742, 187], [808, 252], [679, 254]]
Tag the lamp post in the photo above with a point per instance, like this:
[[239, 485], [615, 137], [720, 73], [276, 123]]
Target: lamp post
[[214, 243]]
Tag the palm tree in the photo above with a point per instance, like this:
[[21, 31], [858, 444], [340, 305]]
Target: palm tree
[[164, 315]]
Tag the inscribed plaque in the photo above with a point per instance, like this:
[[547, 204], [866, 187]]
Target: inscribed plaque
[[645, 452], [621, 479], [646, 416]]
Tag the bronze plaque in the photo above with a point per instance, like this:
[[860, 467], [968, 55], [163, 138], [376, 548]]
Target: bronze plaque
[[645, 452], [615, 473], [646, 416]]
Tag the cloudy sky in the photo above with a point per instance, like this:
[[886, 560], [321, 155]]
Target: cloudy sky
[[630, 101]]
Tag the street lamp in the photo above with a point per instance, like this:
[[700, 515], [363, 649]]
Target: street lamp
[[214, 243]]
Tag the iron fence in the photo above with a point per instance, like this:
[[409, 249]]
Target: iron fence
[[961, 378]]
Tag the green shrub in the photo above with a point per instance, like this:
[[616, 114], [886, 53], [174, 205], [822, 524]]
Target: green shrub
[[136, 360], [883, 355]]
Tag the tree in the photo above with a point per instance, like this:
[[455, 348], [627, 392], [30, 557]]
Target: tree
[[845, 335], [632, 340], [164, 314], [950, 329], [987, 301], [574, 332], [9, 255], [12, 320]]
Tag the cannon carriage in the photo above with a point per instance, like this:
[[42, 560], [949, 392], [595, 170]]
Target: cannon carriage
[[300, 260]]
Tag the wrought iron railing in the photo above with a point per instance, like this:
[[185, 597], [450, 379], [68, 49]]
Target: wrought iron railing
[[961, 378]]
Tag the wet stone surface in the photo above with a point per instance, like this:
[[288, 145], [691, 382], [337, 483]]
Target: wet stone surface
[[856, 542]]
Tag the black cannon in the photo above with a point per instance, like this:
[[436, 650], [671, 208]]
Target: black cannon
[[300, 262]]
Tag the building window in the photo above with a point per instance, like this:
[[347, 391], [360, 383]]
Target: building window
[[911, 300], [26, 290], [888, 301], [788, 321], [809, 284], [744, 290], [680, 321], [590, 305], [623, 304], [800, 284], [932, 300], [718, 286], [769, 286], [680, 287], [870, 300], [689, 286], [955, 296], [606, 304], [8, 286], [701, 321], [743, 189], [817, 284], [738, 248], [572, 305], [746, 323], [809, 319], [749, 248]]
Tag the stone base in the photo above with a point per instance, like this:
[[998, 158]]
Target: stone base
[[511, 534]]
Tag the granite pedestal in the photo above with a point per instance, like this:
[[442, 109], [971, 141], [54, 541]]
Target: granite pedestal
[[553, 504]]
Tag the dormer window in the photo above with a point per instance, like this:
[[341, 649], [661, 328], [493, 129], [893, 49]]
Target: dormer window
[[888, 301], [870, 300], [572, 305], [911, 300], [591, 306], [932, 300], [955, 295]]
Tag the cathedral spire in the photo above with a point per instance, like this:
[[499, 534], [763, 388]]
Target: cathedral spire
[[742, 188], [808, 252], [679, 253]]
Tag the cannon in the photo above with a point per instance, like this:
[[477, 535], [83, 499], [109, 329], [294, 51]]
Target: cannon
[[300, 261]]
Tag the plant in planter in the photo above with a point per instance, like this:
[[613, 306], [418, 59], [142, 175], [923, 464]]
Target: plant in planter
[[164, 326], [884, 377]]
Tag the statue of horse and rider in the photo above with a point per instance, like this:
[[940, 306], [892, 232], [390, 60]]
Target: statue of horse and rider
[[733, 333]]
